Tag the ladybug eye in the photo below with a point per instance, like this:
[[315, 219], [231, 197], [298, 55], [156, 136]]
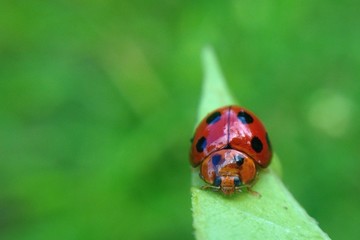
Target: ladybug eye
[[217, 181], [237, 181], [239, 160]]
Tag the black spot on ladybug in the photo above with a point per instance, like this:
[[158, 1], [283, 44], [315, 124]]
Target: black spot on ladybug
[[227, 147], [217, 181], [201, 144], [256, 144], [244, 117], [237, 181], [268, 141], [213, 118], [216, 159], [239, 160]]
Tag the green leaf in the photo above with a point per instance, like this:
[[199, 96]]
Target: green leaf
[[274, 215]]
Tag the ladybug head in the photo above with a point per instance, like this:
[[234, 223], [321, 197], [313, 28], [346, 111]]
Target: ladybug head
[[228, 184], [228, 170]]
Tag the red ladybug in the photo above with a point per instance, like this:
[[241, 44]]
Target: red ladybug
[[230, 144]]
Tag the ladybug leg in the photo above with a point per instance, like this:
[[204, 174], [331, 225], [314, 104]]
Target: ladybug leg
[[249, 190], [252, 192], [213, 188]]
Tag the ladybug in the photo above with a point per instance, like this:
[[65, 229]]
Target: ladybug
[[230, 145]]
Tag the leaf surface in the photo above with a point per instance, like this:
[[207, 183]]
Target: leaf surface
[[274, 215]]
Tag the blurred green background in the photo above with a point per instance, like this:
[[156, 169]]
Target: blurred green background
[[98, 101]]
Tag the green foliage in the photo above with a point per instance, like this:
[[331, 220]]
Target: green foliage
[[275, 215], [98, 102]]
